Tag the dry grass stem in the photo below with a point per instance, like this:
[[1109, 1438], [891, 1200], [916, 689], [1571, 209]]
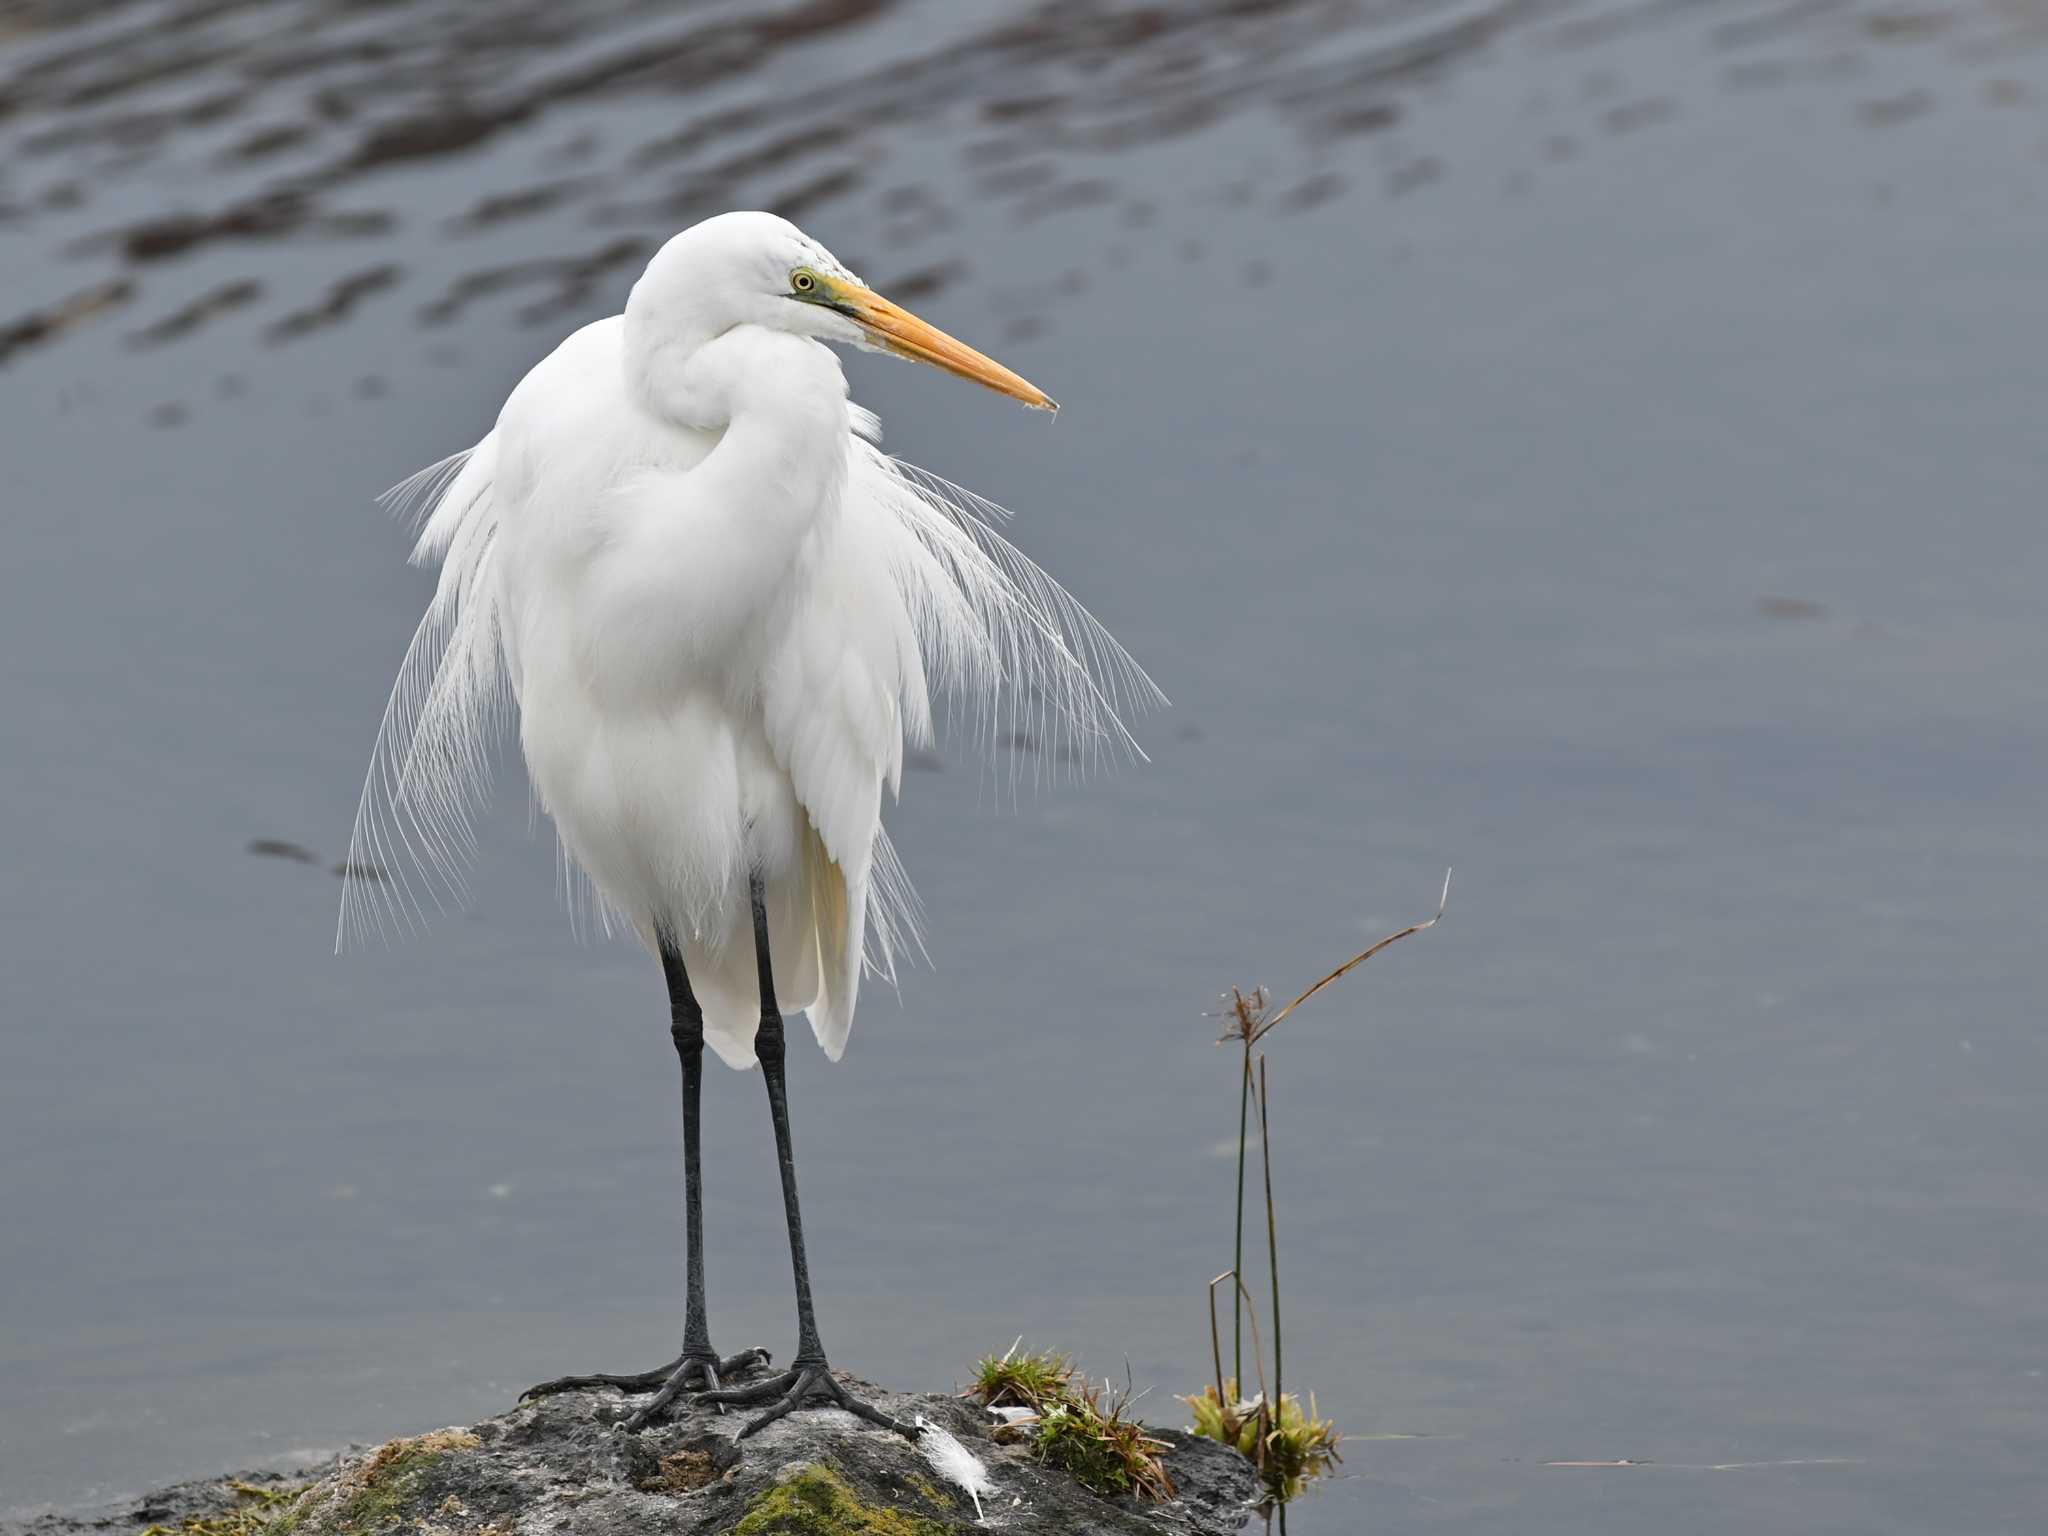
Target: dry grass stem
[[1257, 1029], [1258, 1354]]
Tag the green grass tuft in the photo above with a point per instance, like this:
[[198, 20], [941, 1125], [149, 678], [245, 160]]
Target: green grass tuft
[[1037, 1380], [1290, 1453], [1088, 1434], [1094, 1440]]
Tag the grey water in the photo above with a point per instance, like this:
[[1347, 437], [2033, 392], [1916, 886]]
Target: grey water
[[1592, 444]]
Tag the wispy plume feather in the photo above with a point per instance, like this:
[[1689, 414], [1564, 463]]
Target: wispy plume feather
[[1008, 647], [431, 767]]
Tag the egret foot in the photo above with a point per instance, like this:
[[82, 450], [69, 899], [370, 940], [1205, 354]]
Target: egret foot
[[803, 1386], [687, 1373]]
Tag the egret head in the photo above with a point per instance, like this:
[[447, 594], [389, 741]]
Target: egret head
[[757, 269]]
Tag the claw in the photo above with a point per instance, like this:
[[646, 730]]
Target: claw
[[745, 1360]]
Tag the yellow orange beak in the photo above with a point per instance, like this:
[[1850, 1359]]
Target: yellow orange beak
[[895, 329]]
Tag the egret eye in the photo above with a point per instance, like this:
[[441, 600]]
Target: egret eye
[[803, 282]]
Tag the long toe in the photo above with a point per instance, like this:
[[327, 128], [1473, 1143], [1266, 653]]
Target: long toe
[[687, 1373], [696, 1375], [811, 1386], [638, 1381], [757, 1392], [755, 1359]]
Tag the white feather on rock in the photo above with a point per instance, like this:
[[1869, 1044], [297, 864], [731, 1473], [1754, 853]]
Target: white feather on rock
[[954, 1462]]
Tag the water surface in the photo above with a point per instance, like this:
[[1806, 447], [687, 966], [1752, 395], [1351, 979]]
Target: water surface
[[1593, 445]]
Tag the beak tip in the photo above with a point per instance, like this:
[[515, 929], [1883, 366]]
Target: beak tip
[[885, 327]]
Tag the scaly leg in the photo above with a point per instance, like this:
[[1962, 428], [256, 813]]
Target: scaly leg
[[809, 1381], [699, 1367]]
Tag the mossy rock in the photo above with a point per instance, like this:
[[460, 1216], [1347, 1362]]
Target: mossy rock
[[393, 1485], [566, 1466], [818, 1502]]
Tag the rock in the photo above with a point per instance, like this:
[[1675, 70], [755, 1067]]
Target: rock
[[562, 1466]]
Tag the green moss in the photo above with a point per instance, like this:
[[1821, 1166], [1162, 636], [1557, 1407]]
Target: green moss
[[375, 1506], [1067, 1439], [293, 1512], [387, 1496], [934, 1495], [817, 1502], [389, 1483]]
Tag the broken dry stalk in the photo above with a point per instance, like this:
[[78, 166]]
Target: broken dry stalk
[[1265, 1027]]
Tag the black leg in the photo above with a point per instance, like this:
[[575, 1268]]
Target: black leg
[[699, 1366], [770, 1047], [809, 1380], [686, 1028]]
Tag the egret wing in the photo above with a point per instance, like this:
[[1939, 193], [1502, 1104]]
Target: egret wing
[[844, 687], [973, 619]]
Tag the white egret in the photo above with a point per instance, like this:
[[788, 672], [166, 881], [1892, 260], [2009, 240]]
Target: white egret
[[719, 613]]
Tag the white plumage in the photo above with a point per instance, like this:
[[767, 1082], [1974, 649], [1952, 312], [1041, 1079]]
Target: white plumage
[[718, 614]]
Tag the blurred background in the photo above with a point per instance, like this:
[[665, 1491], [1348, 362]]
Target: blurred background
[[1590, 443]]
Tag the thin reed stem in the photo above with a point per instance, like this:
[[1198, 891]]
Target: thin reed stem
[[1244, 1104], [1272, 1244], [1216, 1346]]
